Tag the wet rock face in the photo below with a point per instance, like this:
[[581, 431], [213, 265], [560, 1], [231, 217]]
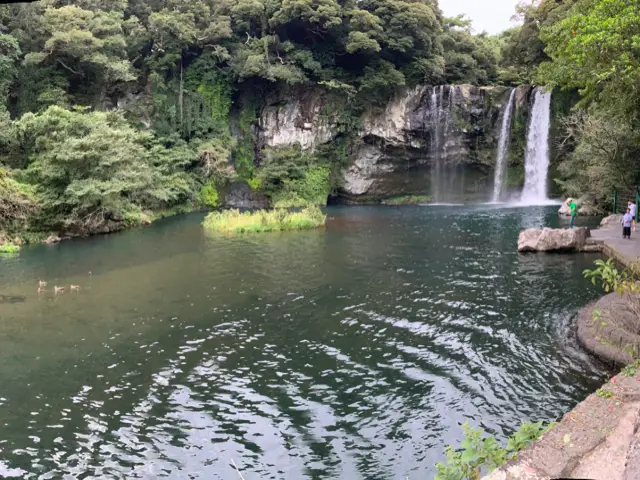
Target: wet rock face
[[453, 126], [240, 195], [300, 119]]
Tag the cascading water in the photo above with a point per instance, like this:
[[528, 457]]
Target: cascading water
[[440, 114], [537, 155], [503, 145]]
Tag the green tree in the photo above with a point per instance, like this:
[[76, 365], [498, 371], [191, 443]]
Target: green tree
[[596, 49], [89, 46], [91, 167]]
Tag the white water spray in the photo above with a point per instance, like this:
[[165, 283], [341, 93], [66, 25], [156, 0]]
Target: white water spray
[[537, 155], [503, 145], [440, 113]]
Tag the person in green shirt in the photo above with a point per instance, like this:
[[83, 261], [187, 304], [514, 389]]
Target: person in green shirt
[[573, 208]]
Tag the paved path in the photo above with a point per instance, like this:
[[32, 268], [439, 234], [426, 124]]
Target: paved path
[[625, 250]]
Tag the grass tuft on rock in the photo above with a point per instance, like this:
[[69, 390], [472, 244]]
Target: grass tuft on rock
[[234, 221], [407, 200]]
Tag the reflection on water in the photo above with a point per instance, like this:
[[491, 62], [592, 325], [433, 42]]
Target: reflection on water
[[355, 352]]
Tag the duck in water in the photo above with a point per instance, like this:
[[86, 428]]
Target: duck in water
[[75, 288], [58, 290], [42, 284]]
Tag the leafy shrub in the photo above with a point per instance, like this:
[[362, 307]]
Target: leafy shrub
[[92, 167], [17, 203], [209, 196], [254, 183], [234, 221], [477, 452], [311, 189], [293, 178]]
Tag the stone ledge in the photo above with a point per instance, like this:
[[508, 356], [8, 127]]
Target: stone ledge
[[597, 440]]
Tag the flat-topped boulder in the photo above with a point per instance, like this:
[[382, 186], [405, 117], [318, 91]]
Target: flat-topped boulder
[[611, 221], [553, 239]]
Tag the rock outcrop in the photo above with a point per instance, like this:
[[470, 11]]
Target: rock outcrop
[[586, 208], [300, 120], [399, 144], [553, 239], [613, 332], [52, 239], [611, 221], [240, 195]]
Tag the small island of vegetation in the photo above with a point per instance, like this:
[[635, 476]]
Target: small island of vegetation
[[235, 221]]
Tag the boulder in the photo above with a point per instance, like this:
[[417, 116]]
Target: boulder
[[553, 239], [611, 221], [564, 209], [586, 208], [53, 239]]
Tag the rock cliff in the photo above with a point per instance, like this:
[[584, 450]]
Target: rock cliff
[[438, 141]]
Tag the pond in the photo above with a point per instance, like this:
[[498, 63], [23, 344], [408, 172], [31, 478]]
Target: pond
[[355, 352]]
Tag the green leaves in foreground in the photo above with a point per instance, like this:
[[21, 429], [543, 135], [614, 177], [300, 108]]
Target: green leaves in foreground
[[611, 279], [234, 221], [479, 453]]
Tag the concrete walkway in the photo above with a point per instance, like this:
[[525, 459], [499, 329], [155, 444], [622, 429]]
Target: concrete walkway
[[626, 251]]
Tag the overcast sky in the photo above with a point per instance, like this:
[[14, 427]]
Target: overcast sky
[[490, 15]]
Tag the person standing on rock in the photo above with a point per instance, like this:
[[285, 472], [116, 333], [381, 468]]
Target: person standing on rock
[[627, 220], [573, 209]]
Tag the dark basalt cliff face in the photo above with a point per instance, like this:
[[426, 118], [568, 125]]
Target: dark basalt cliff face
[[437, 141]]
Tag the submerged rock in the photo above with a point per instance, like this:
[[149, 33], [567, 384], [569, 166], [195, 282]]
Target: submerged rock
[[553, 239]]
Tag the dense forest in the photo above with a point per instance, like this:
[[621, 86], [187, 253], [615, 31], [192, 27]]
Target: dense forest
[[117, 111]]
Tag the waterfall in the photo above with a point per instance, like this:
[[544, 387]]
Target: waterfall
[[503, 145], [440, 120], [537, 155]]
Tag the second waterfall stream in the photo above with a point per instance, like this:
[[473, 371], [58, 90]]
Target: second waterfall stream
[[503, 145]]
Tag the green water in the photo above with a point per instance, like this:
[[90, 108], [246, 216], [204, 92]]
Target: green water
[[355, 352]]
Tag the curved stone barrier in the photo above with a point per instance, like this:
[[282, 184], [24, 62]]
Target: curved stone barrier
[[610, 328]]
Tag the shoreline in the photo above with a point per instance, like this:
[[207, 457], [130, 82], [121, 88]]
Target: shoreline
[[52, 238]]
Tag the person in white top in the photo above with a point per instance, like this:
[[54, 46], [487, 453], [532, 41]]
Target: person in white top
[[632, 210]]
